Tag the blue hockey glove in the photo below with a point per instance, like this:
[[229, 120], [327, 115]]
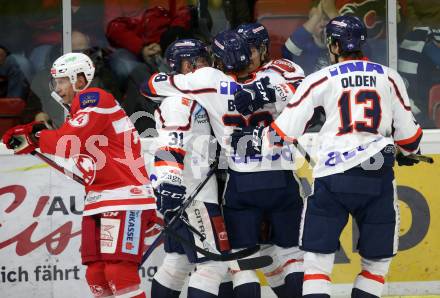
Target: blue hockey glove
[[169, 198], [254, 96], [246, 141], [403, 160]]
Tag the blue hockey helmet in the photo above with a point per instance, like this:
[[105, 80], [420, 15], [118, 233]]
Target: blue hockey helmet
[[349, 31], [255, 34], [232, 50], [181, 49]]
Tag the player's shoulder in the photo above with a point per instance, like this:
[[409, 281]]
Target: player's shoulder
[[93, 97], [176, 110], [207, 72]]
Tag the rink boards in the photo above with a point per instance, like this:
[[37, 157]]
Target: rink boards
[[40, 212]]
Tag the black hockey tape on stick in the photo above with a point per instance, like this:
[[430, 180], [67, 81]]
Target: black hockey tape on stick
[[422, 158], [250, 264]]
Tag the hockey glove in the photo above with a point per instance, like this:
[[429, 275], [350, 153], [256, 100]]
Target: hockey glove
[[246, 141], [169, 198], [23, 139], [403, 160], [254, 96]]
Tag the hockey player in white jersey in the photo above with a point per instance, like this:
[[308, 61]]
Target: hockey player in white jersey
[[367, 113], [181, 162], [286, 276], [258, 188]]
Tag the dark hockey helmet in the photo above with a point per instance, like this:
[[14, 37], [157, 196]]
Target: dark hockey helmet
[[232, 50], [190, 49], [255, 34], [348, 31]]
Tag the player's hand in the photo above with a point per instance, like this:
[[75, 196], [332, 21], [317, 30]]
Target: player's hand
[[23, 139], [254, 96], [169, 198], [403, 160], [246, 141]]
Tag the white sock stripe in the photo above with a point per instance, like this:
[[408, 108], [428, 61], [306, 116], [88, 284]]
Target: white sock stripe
[[317, 287], [369, 285]]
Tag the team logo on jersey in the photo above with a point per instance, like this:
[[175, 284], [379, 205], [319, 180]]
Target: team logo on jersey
[[229, 88], [136, 191], [89, 99], [132, 226], [109, 235], [87, 166], [80, 120], [186, 101]]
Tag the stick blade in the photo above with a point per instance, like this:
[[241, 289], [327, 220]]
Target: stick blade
[[254, 263]]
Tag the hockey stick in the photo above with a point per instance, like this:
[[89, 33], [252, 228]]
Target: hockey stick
[[422, 158], [15, 143], [246, 264], [185, 204]]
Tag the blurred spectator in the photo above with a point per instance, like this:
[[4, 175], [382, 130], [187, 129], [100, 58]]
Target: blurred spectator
[[419, 64], [306, 46], [239, 12], [137, 39], [134, 101], [425, 13], [14, 82]]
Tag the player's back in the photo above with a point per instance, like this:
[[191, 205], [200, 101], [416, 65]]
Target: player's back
[[184, 142], [360, 99]]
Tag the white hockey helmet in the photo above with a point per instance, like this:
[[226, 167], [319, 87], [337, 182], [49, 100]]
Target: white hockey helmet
[[70, 65]]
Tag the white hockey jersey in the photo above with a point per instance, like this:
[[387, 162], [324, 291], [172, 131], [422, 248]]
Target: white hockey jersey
[[185, 147], [215, 90], [366, 107]]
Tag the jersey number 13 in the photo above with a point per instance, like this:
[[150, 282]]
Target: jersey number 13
[[370, 101]]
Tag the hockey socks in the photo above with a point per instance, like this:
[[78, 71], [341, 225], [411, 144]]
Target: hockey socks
[[159, 291]]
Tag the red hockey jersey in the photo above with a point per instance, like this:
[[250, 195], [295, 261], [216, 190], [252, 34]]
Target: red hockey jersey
[[105, 147]]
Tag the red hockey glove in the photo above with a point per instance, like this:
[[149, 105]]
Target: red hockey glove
[[23, 139]]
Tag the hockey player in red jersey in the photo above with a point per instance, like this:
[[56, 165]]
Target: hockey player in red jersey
[[119, 204]]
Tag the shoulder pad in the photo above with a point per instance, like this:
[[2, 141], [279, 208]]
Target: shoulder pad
[[176, 111]]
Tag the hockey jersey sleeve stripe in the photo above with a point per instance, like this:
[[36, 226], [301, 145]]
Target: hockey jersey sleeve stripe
[[282, 134], [194, 91], [169, 156], [118, 202], [399, 95], [147, 88], [412, 143], [313, 85], [316, 276], [173, 149], [164, 163]]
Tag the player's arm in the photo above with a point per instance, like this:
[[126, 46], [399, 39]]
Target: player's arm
[[164, 85], [74, 134], [173, 119], [290, 124], [407, 132], [294, 119], [254, 96]]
